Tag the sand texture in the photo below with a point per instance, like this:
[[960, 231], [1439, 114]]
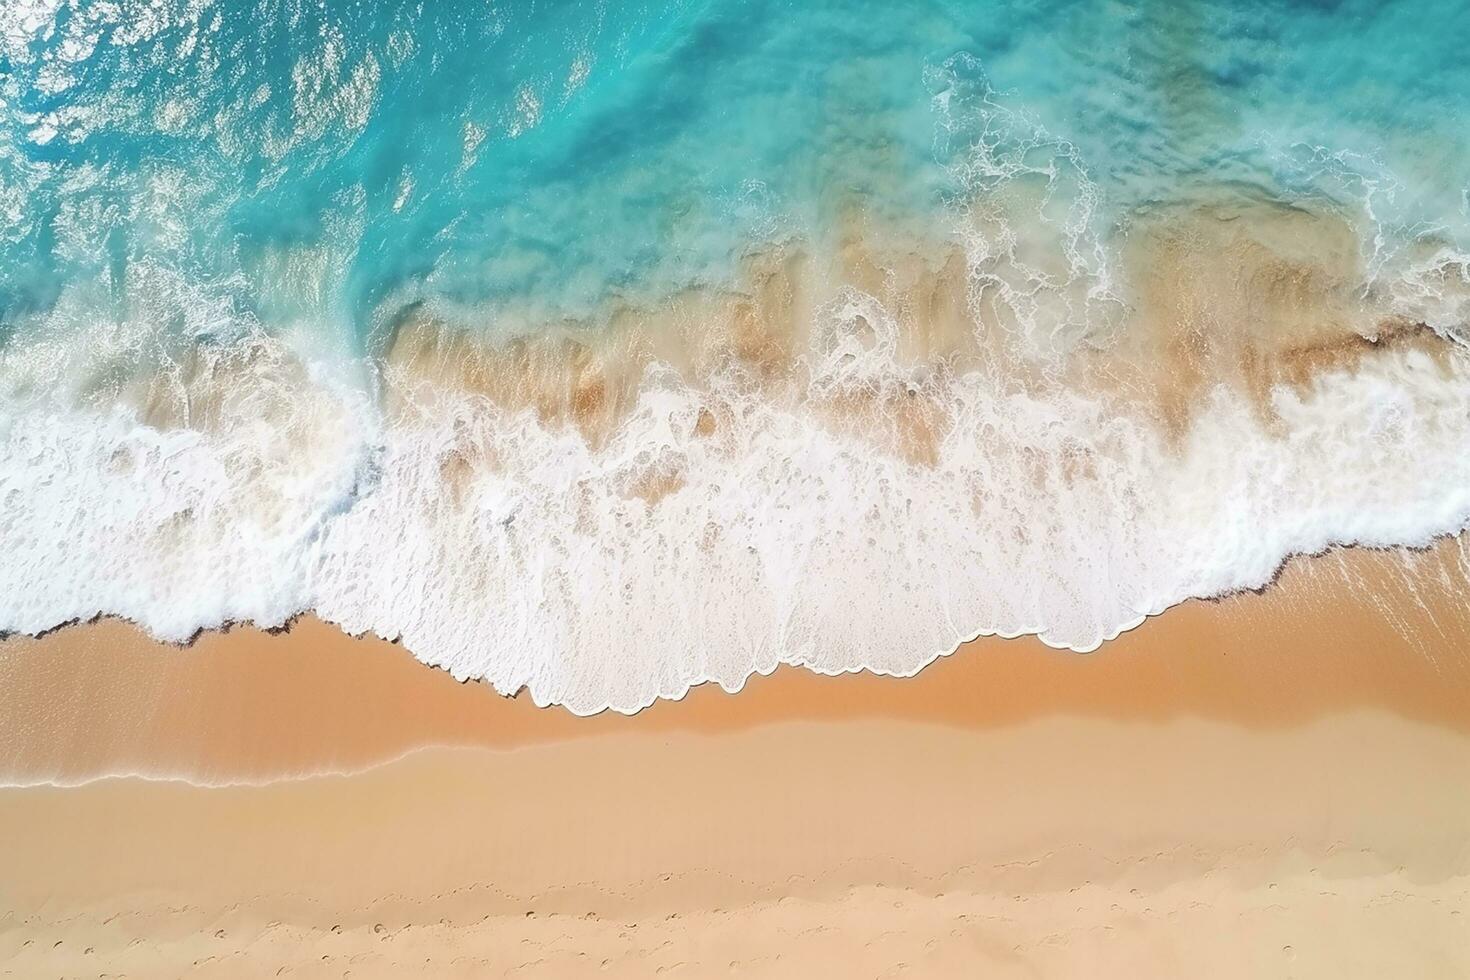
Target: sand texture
[[1272, 785]]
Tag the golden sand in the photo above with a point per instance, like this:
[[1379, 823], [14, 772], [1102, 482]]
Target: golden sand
[[1273, 784], [1057, 847]]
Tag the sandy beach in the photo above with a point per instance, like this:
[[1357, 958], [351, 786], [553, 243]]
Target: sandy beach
[[1274, 784], [827, 490]]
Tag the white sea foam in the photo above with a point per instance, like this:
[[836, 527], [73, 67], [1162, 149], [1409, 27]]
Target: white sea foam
[[538, 565]]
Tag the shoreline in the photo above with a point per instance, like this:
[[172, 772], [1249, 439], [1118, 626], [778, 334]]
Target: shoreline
[[932, 495], [1289, 769], [1355, 628]]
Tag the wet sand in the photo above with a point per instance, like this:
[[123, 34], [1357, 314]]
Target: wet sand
[[1348, 630], [1273, 784]]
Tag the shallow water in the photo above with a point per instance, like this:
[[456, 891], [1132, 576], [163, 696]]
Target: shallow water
[[604, 349]]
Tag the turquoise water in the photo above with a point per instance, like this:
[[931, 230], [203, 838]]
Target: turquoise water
[[555, 156], [216, 215]]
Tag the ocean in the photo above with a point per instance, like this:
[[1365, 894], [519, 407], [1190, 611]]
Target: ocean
[[599, 350]]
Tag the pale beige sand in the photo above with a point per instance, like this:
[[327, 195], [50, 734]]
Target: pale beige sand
[[1273, 785], [1061, 847]]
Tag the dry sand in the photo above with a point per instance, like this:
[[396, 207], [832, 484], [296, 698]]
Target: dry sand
[[1271, 785]]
